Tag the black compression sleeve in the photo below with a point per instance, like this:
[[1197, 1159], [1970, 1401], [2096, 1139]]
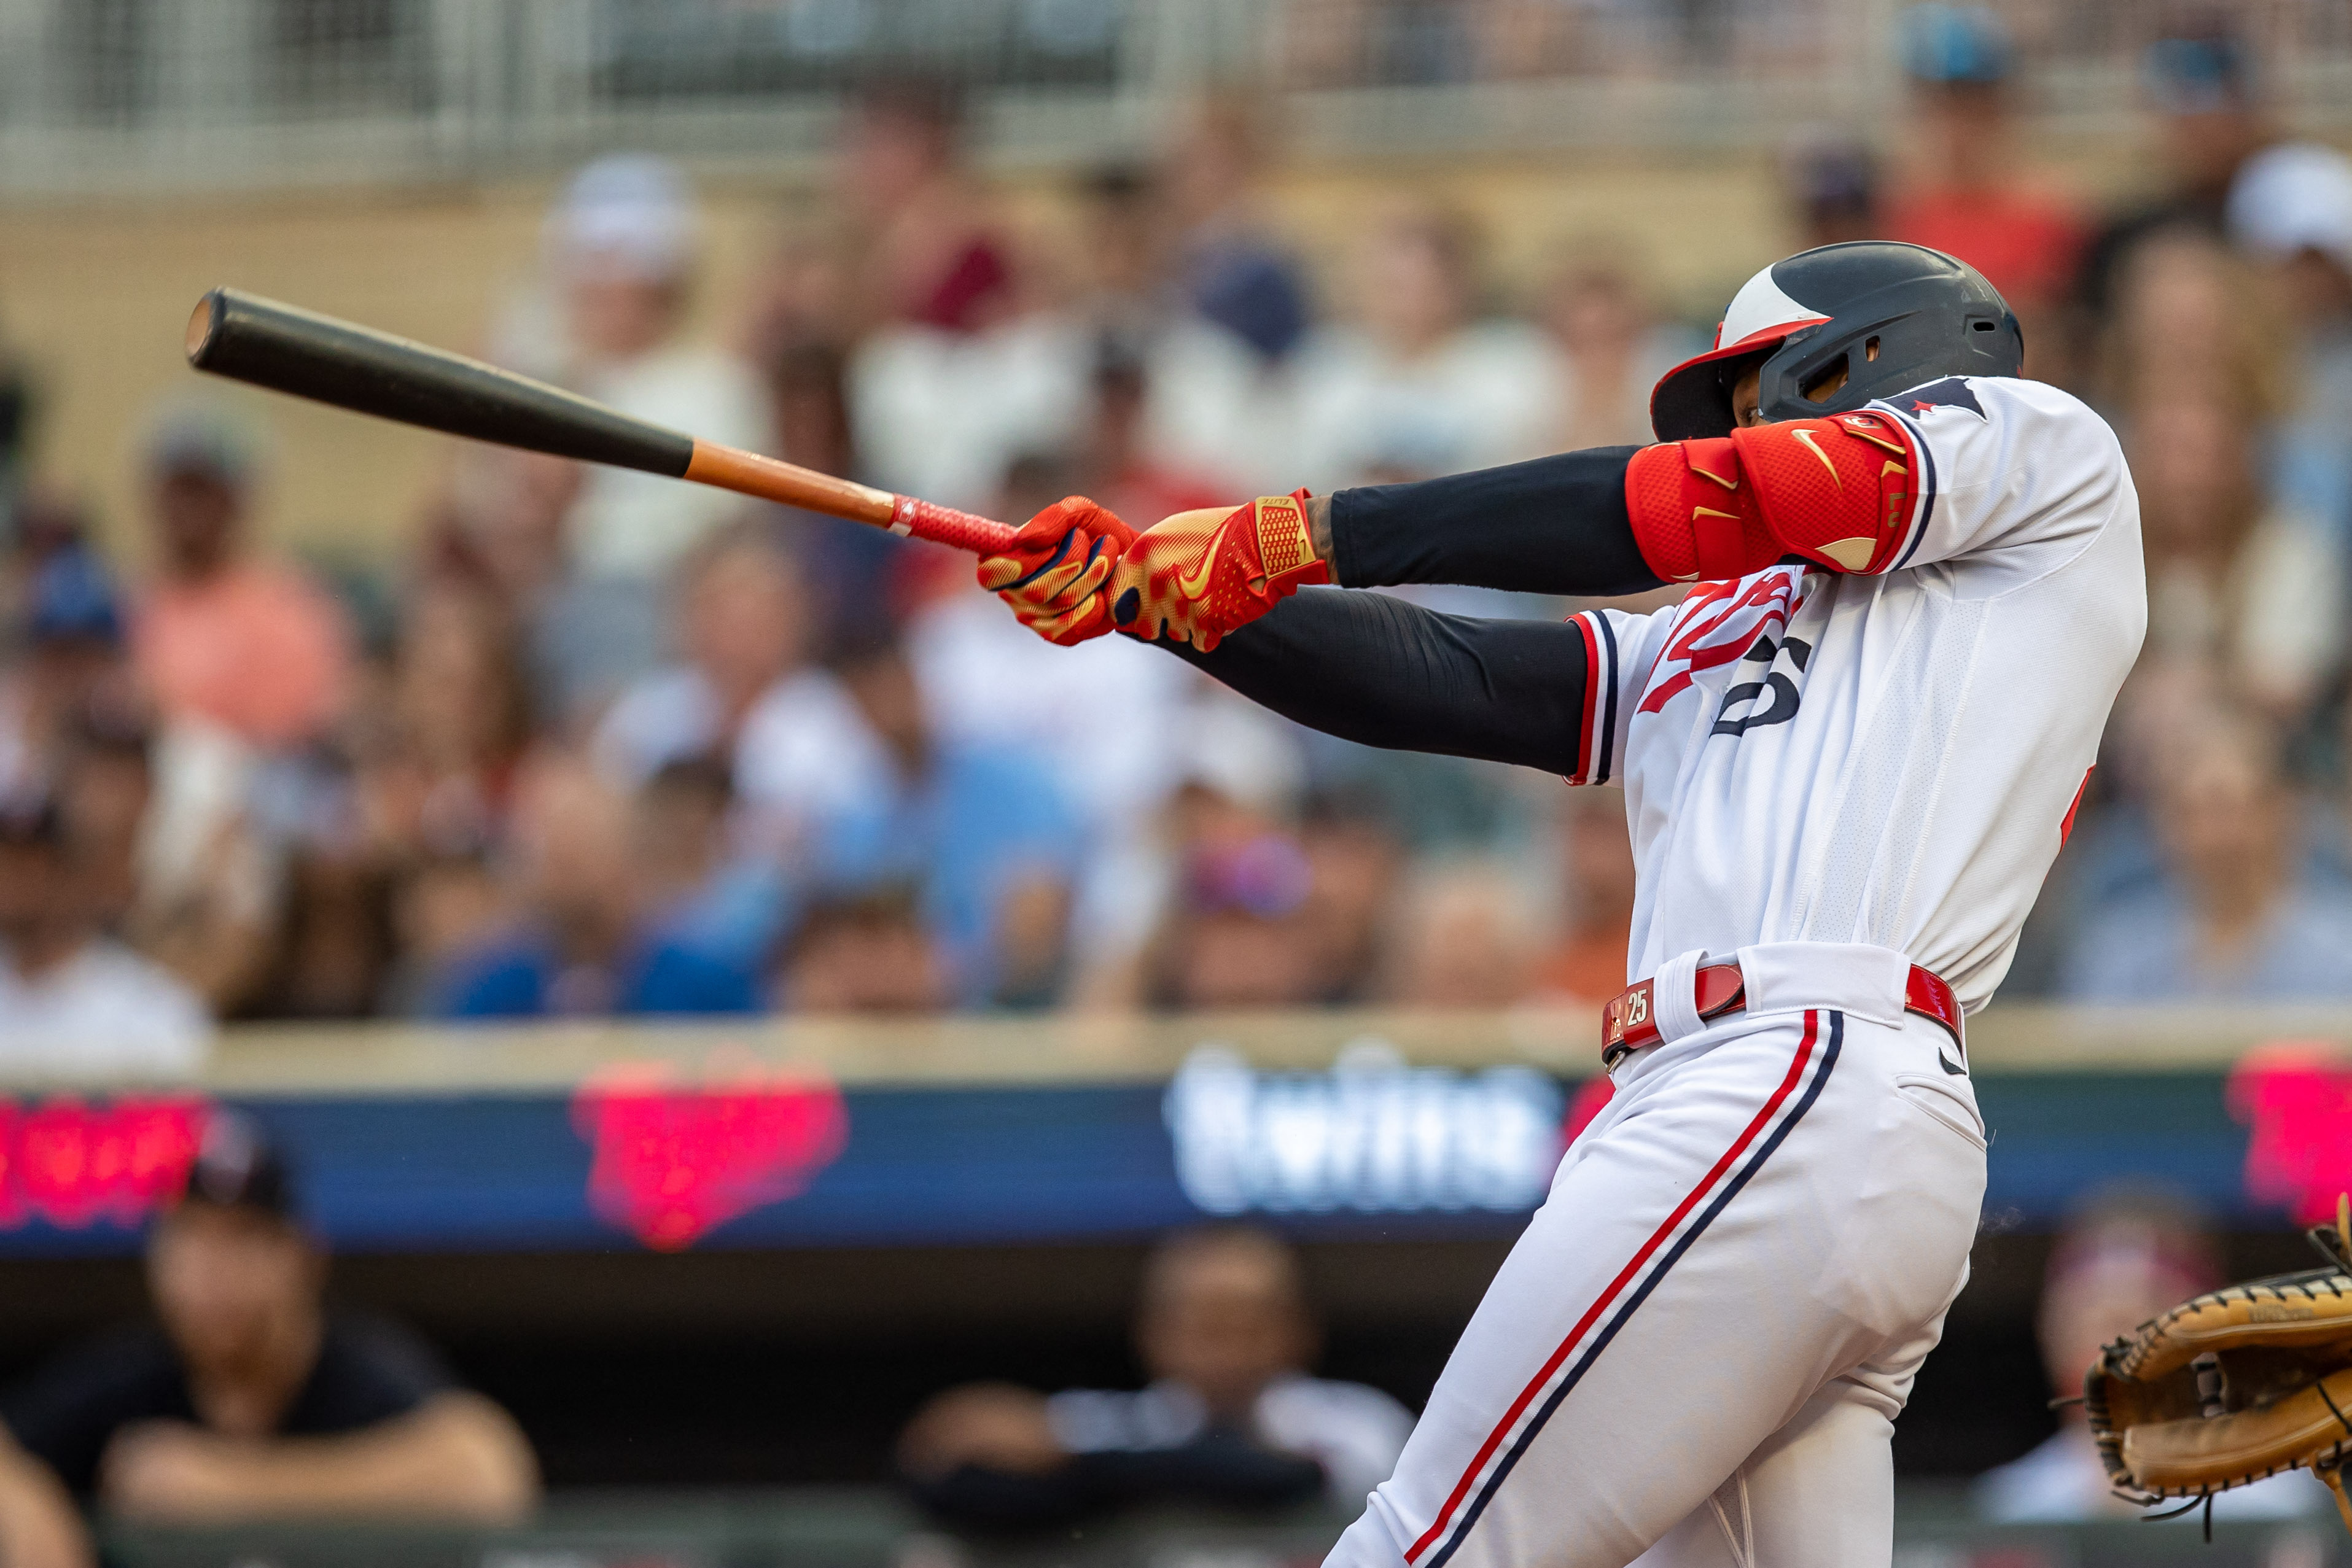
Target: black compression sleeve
[[1377, 670], [1555, 525]]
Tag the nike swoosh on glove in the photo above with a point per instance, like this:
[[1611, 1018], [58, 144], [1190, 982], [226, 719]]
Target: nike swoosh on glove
[[1199, 576], [1053, 572]]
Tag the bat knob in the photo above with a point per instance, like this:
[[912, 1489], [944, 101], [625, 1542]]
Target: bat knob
[[200, 325]]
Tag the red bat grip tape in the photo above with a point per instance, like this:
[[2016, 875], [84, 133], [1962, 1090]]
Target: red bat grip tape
[[945, 524]]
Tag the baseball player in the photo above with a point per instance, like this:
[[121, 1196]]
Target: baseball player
[[1848, 757]]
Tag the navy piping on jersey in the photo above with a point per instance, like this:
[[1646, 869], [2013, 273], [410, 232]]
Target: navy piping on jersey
[[1928, 489], [1633, 1304], [1608, 699]]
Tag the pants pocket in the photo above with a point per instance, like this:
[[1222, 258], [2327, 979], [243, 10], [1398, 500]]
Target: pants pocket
[[1940, 1100], [1903, 1202]]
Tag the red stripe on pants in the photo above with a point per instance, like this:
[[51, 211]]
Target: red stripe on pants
[[1616, 1287]]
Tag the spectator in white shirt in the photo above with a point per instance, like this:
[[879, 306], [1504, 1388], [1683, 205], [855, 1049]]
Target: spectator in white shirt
[[75, 1004], [1231, 1416], [623, 246], [607, 317], [744, 690], [1418, 385]]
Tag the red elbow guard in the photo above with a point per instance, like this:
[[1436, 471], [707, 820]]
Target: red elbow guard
[[1696, 517], [1836, 490]]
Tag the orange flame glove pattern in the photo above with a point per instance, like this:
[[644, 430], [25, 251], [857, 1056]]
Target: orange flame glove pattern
[[1198, 576], [1053, 574], [1075, 571]]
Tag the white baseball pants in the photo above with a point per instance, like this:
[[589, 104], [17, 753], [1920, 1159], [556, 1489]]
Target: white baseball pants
[[1695, 1353]]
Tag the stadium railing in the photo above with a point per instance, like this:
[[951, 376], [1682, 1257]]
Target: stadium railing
[[858, 1529], [147, 96]]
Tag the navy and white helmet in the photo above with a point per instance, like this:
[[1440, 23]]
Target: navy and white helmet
[[1895, 315]]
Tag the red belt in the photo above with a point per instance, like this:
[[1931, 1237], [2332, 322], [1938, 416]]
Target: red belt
[[1630, 1021]]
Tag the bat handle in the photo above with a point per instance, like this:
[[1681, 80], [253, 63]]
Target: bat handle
[[944, 524], [772, 479]]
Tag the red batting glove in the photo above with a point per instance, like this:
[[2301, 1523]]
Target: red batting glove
[[1199, 576], [1053, 572]]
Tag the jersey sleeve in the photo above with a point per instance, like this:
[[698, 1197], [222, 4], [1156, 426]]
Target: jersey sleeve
[[1619, 651], [2011, 469], [1961, 468]]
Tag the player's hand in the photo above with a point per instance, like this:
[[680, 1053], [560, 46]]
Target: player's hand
[[170, 1470], [1055, 572], [993, 1425], [1198, 576]]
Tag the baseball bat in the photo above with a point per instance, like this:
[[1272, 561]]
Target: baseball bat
[[287, 350]]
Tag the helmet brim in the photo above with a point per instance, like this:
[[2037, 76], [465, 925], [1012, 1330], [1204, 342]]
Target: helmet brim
[[1694, 400]]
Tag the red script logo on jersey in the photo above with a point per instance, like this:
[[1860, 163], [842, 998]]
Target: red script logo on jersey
[[1718, 624]]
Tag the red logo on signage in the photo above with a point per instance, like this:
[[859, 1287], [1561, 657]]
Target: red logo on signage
[[70, 1163], [672, 1162], [2298, 1099]]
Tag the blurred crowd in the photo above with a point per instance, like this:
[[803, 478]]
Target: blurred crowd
[[608, 745]]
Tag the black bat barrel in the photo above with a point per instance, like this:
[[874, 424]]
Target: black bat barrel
[[248, 338]]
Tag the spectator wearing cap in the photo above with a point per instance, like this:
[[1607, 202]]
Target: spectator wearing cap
[[1965, 196], [2121, 1261], [619, 254], [1231, 269], [625, 245], [223, 637], [75, 1004], [1230, 1416], [2291, 208], [1240, 932], [249, 1397], [2199, 82], [72, 638], [1174, 391]]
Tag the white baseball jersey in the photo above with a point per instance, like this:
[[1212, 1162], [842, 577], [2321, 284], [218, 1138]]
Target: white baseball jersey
[[1694, 1355], [1888, 759]]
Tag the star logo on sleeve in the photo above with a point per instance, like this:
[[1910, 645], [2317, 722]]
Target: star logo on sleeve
[[1952, 391]]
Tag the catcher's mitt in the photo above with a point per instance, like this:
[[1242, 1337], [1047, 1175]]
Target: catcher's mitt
[[2234, 1385]]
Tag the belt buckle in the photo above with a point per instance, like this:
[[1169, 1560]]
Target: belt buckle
[[1626, 1012]]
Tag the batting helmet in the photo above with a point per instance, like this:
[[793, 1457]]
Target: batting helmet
[[1894, 316]]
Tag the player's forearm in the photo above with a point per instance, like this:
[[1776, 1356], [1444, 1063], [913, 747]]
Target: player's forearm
[[38, 1525], [1554, 525], [458, 1457], [1380, 672]]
